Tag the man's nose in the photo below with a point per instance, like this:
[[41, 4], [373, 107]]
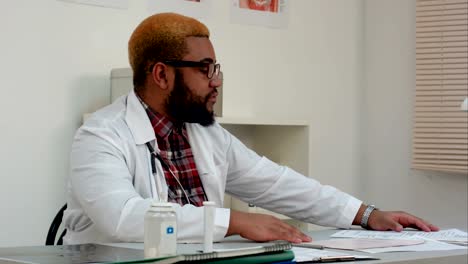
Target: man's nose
[[217, 81]]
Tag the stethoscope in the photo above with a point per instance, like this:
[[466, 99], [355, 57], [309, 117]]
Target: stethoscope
[[155, 156]]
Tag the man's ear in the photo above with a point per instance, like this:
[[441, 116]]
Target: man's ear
[[160, 75]]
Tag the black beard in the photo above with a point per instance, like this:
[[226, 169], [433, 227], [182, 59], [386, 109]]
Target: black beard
[[184, 106]]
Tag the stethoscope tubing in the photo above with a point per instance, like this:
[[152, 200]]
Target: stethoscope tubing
[[155, 156]]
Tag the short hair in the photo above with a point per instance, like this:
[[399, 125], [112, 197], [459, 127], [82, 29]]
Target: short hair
[[158, 38]]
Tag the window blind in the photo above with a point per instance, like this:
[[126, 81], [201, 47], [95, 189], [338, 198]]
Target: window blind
[[440, 131]]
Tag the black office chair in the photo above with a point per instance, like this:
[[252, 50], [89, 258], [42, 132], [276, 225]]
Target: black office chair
[[54, 228]]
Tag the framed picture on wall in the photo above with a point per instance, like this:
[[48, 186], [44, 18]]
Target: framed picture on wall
[[191, 8], [122, 4], [269, 13]]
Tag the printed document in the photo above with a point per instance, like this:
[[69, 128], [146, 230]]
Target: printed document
[[318, 255], [363, 243], [429, 245], [433, 240], [449, 235]]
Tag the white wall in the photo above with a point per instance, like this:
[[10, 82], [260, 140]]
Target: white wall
[[55, 63], [54, 66], [310, 71], [388, 179]]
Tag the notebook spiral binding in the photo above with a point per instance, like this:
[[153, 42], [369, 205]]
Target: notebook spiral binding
[[280, 246]]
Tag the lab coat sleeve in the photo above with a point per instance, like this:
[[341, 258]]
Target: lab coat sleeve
[[261, 182], [103, 185]]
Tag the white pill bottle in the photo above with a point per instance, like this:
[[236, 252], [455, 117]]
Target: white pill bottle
[[160, 230]]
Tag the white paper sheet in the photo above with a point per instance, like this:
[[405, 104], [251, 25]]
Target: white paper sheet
[[442, 235], [364, 243], [429, 245], [309, 254]]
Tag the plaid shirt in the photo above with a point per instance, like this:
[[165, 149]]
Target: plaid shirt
[[176, 153]]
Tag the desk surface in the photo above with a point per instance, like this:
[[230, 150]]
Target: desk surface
[[449, 256], [443, 256]]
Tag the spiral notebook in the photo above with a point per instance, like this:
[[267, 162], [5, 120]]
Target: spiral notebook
[[229, 250], [96, 253], [234, 251]]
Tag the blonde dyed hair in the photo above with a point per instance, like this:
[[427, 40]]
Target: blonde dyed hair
[[159, 38]]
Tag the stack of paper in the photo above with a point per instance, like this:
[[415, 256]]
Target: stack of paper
[[315, 255], [454, 236], [362, 243], [432, 240]]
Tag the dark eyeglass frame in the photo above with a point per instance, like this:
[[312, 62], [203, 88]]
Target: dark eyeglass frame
[[213, 69]]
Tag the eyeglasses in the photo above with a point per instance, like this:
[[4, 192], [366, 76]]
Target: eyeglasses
[[212, 69]]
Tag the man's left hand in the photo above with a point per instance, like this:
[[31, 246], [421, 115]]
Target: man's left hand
[[396, 221]]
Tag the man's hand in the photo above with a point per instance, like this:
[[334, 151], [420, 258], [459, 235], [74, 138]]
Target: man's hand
[[262, 228], [396, 221]]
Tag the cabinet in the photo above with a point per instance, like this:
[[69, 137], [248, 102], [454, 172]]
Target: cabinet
[[285, 142]]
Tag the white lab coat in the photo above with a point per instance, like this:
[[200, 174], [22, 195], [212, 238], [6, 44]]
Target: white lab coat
[[111, 184]]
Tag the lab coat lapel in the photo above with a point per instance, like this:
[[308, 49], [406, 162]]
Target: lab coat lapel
[[202, 148], [138, 121]]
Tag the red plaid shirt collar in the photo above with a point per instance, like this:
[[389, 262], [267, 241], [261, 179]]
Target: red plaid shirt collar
[[161, 124]]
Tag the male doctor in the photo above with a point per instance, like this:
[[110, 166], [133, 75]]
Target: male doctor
[[161, 141]]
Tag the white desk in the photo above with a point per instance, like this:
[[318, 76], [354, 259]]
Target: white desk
[[40, 253], [445, 257]]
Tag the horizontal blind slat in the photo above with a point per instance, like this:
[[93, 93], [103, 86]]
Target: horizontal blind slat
[[442, 154], [441, 39], [440, 23], [425, 56], [442, 98], [434, 109], [440, 34], [441, 44], [454, 169], [445, 104], [438, 125], [437, 69], [438, 2], [439, 61], [440, 87], [420, 10], [441, 82], [439, 141], [441, 66], [459, 114], [441, 13], [439, 133], [438, 146], [446, 76], [425, 19], [425, 138], [442, 151], [439, 119], [438, 91], [440, 136], [462, 28], [460, 163], [461, 49]]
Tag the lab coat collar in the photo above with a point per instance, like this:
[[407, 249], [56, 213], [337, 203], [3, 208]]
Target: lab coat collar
[[138, 121]]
